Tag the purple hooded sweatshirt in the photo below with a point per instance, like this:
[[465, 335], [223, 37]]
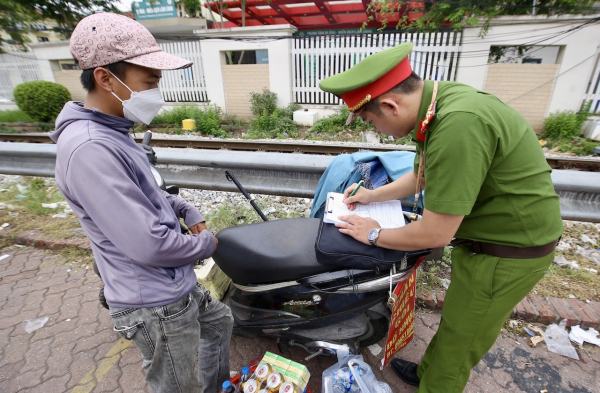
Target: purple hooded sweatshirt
[[132, 224]]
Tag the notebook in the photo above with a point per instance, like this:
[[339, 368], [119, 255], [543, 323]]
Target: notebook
[[388, 214]]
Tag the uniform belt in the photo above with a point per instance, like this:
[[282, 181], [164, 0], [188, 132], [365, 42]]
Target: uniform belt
[[498, 250]]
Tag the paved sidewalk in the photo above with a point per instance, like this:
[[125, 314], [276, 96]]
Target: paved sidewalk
[[77, 351]]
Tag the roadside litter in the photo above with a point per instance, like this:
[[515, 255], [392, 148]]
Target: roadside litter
[[579, 336], [536, 333], [32, 325], [562, 262], [557, 340]]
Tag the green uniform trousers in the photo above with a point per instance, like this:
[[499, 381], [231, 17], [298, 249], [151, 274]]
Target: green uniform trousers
[[483, 292]]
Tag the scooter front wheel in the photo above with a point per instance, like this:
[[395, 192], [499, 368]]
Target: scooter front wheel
[[378, 329]]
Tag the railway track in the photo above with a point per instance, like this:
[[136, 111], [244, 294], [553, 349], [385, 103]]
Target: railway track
[[556, 162]]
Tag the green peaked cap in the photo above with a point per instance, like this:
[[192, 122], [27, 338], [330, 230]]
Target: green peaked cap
[[367, 71]]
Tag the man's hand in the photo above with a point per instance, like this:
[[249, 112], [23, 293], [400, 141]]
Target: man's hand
[[201, 226], [196, 229], [362, 196], [357, 227]]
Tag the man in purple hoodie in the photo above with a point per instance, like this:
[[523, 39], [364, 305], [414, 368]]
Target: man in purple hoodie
[[144, 260]]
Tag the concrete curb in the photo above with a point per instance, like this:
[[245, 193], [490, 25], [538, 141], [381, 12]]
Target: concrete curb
[[36, 239], [531, 309]]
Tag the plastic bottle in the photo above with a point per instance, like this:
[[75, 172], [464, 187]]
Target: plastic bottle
[[244, 377], [225, 385]]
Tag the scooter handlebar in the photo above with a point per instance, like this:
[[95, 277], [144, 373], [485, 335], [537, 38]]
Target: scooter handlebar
[[147, 138]]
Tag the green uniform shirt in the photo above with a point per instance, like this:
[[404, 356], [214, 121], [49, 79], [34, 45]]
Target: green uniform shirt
[[483, 160]]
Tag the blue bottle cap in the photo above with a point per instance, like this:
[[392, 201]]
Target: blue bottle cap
[[246, 370], [226, 384]]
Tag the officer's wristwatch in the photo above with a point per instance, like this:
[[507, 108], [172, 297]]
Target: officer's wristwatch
[[374, 235]]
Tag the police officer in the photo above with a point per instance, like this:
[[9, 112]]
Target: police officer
[[487, 184]]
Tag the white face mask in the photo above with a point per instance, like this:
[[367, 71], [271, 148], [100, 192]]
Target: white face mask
[[142, 106]]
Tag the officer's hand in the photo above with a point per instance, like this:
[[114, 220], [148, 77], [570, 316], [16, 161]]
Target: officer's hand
[[196, 229], [362, 196], [357, 227]]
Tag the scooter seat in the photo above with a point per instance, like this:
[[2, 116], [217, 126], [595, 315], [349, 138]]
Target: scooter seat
[[271, 251]]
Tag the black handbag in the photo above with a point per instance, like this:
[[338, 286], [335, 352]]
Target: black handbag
[[334, 248]]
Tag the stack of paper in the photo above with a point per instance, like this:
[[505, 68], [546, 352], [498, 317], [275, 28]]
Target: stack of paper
[[388, 214]]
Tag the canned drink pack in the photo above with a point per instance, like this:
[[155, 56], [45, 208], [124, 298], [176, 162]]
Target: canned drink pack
[[274, 382], [288, 387]]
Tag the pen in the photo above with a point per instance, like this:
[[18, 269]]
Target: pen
[[360, 183]]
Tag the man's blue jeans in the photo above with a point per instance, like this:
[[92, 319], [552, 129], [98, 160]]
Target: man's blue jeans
[[171, 336]]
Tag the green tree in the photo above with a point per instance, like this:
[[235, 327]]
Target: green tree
[[459, 14], [17, 16], [192, 7]]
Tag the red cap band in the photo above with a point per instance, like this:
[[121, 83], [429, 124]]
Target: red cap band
[[380, 86]]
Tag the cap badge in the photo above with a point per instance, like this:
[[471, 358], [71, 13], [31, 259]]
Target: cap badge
[[360, 103]]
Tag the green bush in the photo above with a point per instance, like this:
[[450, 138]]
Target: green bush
[[231, 124], [587, 147], [563, 125], [7, 130], [272, 122], [289, 110], [261, 102], [337, 122], [41, 100], [208, 120], [270, 126], [566, 125], [176, 115], [580, 146], [14, 117]]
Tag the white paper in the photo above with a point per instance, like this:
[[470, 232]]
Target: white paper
[[387, 214], [579, 335]]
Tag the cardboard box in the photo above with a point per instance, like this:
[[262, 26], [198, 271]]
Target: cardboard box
[[291, 371]]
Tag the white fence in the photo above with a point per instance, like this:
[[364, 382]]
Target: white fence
[[184, 85], [15, 68], [315, 58], [593, 90]]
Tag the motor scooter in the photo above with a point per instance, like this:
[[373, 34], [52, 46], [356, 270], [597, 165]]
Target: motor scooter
[[279, 289]]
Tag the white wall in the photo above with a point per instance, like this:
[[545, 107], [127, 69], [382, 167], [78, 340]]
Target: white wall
[[576, 54], [280, 58], [48, 51]]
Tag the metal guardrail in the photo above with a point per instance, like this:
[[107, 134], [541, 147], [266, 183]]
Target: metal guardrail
[[591, 164], [275, 173]]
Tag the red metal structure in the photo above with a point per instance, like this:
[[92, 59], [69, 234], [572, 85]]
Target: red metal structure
[[305, 15]]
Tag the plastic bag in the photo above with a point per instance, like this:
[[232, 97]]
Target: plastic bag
[[351, 375], [557, 340], [31, 325]]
